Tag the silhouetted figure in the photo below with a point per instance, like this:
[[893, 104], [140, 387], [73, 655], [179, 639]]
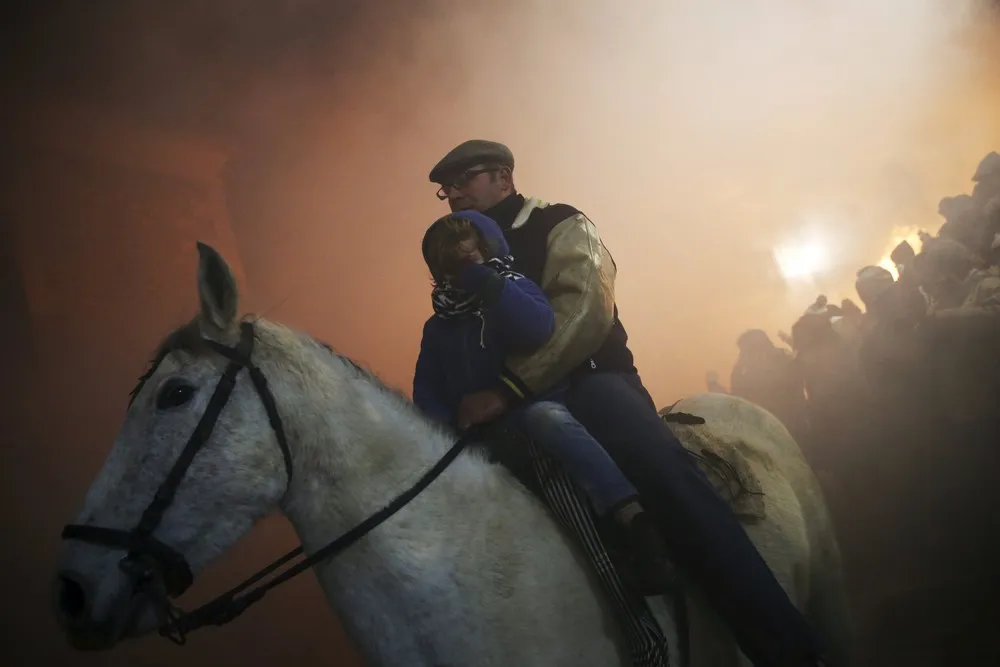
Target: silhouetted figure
[[902, 255], [712, 383], [962, 329], [768, 376]]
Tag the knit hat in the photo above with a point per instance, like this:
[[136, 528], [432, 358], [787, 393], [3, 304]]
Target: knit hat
[[872, 282]]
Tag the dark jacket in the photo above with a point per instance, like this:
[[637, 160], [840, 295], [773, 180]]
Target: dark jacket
[[559, 248], [462, 355]]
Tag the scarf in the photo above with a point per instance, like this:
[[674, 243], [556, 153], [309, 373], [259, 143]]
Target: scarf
[[451, 302]]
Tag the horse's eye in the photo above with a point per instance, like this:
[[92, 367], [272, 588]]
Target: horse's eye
[[174, 394]]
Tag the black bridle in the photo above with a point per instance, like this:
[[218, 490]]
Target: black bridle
[[161, 572]]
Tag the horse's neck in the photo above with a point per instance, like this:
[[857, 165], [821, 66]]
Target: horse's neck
[[412, 573]]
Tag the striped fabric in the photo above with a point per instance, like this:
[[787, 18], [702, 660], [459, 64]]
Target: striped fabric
[[646, 640]]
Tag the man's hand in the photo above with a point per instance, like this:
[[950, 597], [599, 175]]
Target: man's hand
[[480, 407]]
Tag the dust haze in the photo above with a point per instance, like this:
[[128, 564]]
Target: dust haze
[[702, 137]]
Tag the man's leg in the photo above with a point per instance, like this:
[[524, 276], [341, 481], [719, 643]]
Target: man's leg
[[704, 536]]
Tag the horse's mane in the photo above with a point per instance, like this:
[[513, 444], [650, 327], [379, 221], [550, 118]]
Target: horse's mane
[[370, 377], [362, 373], [404, 401]]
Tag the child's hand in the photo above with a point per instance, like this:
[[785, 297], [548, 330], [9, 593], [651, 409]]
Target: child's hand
[[480, 407], [459, 261]]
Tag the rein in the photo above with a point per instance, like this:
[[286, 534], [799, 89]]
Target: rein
[[160, 572]]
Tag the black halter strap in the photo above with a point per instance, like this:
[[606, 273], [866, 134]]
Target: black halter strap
[[239, 358], [231, 604], [147, 558]]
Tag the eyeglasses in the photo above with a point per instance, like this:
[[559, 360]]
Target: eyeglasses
[[463, 180]]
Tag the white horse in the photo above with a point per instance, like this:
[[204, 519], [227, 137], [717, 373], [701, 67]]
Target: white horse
[[472, 571]]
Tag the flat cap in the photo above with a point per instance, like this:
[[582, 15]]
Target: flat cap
[[469, 154]]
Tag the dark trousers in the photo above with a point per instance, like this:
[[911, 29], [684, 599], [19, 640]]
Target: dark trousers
[[554, 428], [706, 540]]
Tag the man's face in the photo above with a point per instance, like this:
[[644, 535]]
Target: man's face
[[478, 188]]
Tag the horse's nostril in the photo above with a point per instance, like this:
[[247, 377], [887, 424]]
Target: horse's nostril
[[72, 599]]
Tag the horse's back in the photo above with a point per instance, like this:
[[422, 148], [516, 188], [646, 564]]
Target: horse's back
[[744, 446], [794, 531], [748, 426]]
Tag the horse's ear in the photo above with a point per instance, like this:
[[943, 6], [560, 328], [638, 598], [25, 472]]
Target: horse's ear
[[217, 290]]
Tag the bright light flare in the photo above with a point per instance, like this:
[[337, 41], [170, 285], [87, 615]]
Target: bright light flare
[[887, 264], [803, 260]]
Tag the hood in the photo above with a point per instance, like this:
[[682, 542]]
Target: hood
[[490, 230]]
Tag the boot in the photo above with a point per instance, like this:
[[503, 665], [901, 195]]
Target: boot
[[655, 572]]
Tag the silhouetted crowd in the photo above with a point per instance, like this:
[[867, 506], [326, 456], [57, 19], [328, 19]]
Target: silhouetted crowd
[[897, 406], [926, 346]]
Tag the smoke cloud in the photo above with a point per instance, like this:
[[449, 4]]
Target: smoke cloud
[[706, 139], [701, 137]]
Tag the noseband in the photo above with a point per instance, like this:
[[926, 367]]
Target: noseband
[[148, 560]]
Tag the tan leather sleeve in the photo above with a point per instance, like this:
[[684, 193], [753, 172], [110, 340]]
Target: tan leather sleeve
[[579, 280]]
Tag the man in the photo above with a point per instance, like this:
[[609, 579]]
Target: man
[[712, 383], [890, 355], [965, 221], [768, 375], [902, 256], [987, 180], [963, 293], [558, 247], [961, 329]]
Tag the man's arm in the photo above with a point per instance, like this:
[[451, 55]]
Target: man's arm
[[579, 281]]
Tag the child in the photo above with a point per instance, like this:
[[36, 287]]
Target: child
[[484, 311]]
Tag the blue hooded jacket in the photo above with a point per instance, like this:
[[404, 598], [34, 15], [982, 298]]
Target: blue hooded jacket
[[462, 355]]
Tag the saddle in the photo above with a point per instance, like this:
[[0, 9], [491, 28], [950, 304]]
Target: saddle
[[728, 472], [599, 540], [603, 541], [725, 469]]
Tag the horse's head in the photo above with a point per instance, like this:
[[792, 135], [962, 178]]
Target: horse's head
[[201, 456]]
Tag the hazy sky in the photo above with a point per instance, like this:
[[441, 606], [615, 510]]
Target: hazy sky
[[699, 136]]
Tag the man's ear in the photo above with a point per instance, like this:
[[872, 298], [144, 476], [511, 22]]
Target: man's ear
[[506, 176]]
